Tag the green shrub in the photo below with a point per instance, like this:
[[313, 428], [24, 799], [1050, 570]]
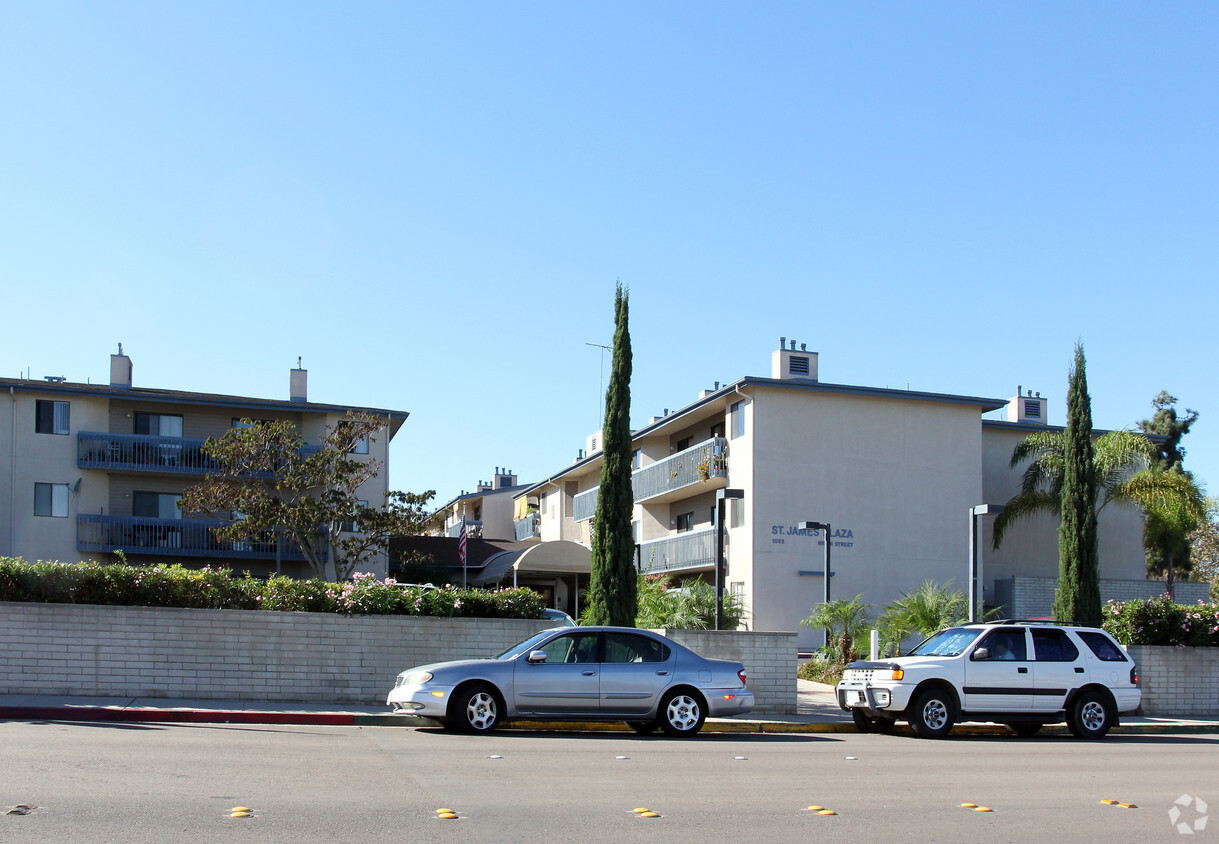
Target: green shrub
[[1158, 621], [175, 586]]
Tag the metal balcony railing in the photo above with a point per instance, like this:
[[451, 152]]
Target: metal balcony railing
[[150, 453], [695, 465], [474, 529], [172, 538], [693, 549], [528, 527]]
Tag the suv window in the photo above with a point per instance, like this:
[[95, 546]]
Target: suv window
[[950, 642], [1053, 646], [1006, 643], [1101, 645]]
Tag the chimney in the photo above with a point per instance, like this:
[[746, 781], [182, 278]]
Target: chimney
[[791, 365], [1028, 409], [120, 370], [298, 383]]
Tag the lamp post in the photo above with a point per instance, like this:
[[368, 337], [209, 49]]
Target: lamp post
[[825, 526], [975, 563], [721, 496]]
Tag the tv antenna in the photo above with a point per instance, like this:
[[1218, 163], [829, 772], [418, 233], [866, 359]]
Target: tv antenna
[[601, 395]]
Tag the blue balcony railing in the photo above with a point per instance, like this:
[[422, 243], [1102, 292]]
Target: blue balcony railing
[[150, 453], [704, 464], [474, 529], [528, 527], [693, 549], [173, 538]]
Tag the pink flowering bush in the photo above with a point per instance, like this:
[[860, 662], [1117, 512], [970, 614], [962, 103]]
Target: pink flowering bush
[[175, 586], [1158, 621]]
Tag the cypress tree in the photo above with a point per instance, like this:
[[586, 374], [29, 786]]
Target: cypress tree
[[612, 591], [1078, 595]]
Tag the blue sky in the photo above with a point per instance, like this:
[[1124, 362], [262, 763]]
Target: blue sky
[[431, 204]]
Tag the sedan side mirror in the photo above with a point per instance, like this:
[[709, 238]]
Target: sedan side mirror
[[981, 653], [536, 657]]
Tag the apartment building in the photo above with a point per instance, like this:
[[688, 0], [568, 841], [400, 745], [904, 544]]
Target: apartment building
[[488, 512], [90, 469], [894, 473]]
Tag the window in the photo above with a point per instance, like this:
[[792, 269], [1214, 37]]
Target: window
[[736, 420], [158, 424], [361, 446], [247, 422], [51, 417], [736, 513], [1053, 646], [579, 647], [353, 526], [635, 528], [628, 647], [1101, 645], [155, 505], [636, 459], [684, 443], [51, 500], [685, 522], [1005, 643]]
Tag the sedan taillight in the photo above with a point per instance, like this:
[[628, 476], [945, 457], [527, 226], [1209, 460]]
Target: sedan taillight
[[741, 674]]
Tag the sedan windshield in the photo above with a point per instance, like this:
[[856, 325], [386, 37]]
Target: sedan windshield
[[950, 642], [525, 646]]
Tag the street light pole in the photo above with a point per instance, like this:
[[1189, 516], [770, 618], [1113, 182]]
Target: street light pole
[[825, 526], [721, 565], [975, 563]]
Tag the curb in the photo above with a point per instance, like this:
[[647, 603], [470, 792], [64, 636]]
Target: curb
[[349, 719]]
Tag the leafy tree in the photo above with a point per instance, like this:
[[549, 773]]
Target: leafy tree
[[1166, 423], [368, 534], [1204, 546], [845, 622], [266, 475], [612, 589], [1077, 597]]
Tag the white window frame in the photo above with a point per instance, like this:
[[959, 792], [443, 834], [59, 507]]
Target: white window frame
[[55, 500], [61, 417]]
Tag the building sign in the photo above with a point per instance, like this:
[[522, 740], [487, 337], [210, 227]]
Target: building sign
[[784, 534]]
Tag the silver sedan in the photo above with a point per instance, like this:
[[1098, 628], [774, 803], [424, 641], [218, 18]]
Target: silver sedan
[[569, 673]]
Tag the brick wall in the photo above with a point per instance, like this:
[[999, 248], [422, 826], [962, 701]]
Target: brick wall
[[1033, 597], [1178, 681], [70, 649]]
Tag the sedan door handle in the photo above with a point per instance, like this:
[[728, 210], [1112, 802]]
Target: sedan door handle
[[1022, 671], [589, 673]]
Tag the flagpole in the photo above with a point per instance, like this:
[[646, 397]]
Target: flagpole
[[461, 552]]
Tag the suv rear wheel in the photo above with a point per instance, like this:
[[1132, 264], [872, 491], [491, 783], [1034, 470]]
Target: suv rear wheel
[[1090, 715], [932, 713]]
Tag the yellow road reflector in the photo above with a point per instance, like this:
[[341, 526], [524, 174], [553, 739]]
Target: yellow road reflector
[[241, 809], [1127, 805], [815, 808], [640, 811], [447, 816], [969, 805], [239, 814], [443, 811], [648, 815], [1109, 802], [983, 809], [827, 812]]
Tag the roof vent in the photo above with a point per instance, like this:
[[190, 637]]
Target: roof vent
[[788, 364]]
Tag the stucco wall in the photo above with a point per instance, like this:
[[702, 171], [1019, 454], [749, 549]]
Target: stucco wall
[[1178, 681], [68, 649]]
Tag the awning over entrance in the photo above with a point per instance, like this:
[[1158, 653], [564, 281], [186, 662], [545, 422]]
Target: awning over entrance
[[555, 558]]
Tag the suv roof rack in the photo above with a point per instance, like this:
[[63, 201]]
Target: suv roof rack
[[1036, 621]]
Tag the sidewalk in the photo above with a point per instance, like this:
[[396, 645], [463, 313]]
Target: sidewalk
[[816, 712]]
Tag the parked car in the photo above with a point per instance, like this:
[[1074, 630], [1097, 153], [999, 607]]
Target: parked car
[[1023, 674], [569, 673], [559, 617]]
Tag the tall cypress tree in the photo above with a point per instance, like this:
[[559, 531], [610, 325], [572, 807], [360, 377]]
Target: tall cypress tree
[[612, 592], [1078, 595]]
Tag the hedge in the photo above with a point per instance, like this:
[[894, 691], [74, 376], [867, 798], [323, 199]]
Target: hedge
[[176, 586], [1158, 621]]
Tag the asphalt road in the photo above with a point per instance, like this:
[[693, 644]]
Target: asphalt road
[[163, 783]]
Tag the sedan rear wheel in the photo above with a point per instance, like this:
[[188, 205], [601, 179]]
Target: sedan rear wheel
[[477, 709], [681, 714]]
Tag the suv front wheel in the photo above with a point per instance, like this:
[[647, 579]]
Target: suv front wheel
[[932, 713], [1090, 715]]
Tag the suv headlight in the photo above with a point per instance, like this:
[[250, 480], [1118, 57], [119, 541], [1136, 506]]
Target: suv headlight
[[888, 674]]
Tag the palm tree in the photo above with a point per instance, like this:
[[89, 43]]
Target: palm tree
[[1119, 457], [927, 609], [1173, 508], [844, 622]]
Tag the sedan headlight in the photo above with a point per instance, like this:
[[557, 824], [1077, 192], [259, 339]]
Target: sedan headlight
[[413, 678]]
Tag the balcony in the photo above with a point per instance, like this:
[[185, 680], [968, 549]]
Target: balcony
[[528, 527], [474, 529], [705, 464], [172, 538], [150, 453], [693, 549]]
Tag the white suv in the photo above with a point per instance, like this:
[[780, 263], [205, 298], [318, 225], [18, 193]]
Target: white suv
[[1023, 674]]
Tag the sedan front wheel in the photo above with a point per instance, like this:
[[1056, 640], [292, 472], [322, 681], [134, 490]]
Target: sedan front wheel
[[476, 709]]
